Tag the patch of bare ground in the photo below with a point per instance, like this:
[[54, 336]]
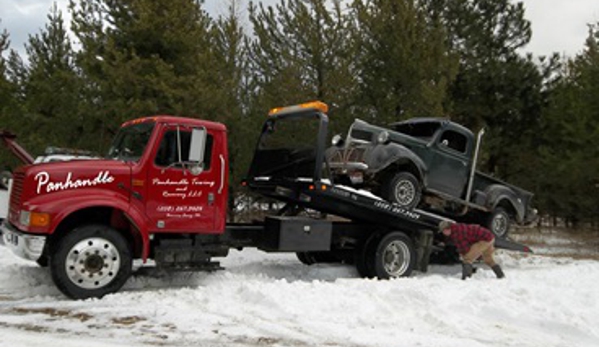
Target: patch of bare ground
[[55, 313], [560, 242], [129, 320]]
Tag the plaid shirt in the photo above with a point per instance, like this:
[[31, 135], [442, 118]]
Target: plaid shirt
[[464, 236]]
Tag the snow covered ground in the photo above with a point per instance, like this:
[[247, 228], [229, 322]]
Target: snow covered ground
[[273, 300]]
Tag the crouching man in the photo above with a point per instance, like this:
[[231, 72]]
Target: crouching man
[[472, 241]]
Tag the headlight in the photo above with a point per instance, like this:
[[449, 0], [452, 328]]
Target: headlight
[[24, 218], [34, 219], [383, 137], [337, 141]]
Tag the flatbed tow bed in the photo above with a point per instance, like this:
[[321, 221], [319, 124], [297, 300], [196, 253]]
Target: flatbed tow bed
[[380, 238]]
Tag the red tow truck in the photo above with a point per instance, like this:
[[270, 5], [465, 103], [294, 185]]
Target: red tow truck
[[161, 193]]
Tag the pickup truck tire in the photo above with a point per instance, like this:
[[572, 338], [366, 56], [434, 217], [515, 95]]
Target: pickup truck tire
[[498, 222], [90, 262], [402, 189], [394, 256]]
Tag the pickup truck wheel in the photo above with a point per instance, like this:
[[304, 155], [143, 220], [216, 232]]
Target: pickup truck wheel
[[403, 189], [394, 256], [499, 222], [91, 261]]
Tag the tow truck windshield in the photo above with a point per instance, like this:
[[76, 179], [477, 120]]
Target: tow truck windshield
[[130, 142]]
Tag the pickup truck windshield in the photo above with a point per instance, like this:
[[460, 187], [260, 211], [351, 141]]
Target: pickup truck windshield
[[422, 130], [130, 142]]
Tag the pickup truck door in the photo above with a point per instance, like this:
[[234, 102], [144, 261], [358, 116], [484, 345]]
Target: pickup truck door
[[450, 164], [178, 200]]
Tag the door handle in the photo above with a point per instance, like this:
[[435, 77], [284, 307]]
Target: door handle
[[210, 199]]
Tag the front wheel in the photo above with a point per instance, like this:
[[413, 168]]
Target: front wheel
[[403, 189], [498, 222], [91, 261]]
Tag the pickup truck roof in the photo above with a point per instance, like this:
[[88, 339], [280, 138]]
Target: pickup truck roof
[[427, 126]]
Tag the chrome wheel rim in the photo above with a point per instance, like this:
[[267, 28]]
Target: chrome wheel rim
[[405, 192], [396, 258], [499, 224], [92, 263]]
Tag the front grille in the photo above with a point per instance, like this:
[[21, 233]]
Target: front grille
[[354, 154], [16, 192], [345, 155]]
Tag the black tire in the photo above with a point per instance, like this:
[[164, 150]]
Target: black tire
[[403, 189], [310, 258], [42, 261], [498, 222], [90, 262], [395, 256], [364, 257], [305, 258]]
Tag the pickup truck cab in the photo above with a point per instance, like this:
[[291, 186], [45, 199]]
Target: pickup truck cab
[[428, 163]]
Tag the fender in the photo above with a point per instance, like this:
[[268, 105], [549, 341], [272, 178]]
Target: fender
[[60, 205], [384, 155], [497, 193]]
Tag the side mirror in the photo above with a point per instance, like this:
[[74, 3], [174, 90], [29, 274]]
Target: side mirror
[[196, 150], [337, 141]]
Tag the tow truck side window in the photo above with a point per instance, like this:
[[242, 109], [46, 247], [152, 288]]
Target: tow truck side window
[[168, 152]]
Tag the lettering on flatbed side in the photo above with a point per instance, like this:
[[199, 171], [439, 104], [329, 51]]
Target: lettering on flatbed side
[[396, 209], [382, 205]]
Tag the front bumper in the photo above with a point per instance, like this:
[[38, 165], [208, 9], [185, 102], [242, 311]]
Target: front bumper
[[26, 246]]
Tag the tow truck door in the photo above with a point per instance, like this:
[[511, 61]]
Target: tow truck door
[[181, 190]]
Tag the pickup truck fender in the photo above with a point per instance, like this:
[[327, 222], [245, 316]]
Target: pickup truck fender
[[386, 155], [497, 194], [61, 207]]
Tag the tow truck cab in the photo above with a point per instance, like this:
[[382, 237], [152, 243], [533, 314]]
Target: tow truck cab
[[163, 174]]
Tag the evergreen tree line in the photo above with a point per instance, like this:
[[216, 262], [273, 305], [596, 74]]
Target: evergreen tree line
[[377, 60]]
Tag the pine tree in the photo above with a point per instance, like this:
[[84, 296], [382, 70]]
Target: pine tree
[[8, 101], [51, 85], [495, 87], [234, 96], [569, 152], [302, 51], [404, 65], [145, 57]]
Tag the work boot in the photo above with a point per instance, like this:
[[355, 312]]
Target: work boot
[[466, 270], [498, 272]]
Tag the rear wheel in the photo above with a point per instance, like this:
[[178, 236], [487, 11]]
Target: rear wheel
[[386, 256], [394, 256], [91, 261], [403, 189]]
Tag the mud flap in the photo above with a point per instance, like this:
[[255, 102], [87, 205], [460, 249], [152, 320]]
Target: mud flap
[[511, 245], [424, 247]]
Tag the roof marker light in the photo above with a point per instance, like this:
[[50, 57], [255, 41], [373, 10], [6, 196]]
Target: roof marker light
[[317, 105]]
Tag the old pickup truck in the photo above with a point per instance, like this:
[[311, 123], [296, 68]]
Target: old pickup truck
[[428, 163]]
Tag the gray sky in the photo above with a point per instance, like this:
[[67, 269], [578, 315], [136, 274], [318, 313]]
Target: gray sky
[[558, 25]]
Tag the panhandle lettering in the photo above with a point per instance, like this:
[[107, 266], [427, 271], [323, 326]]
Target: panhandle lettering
[[44, 183]]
